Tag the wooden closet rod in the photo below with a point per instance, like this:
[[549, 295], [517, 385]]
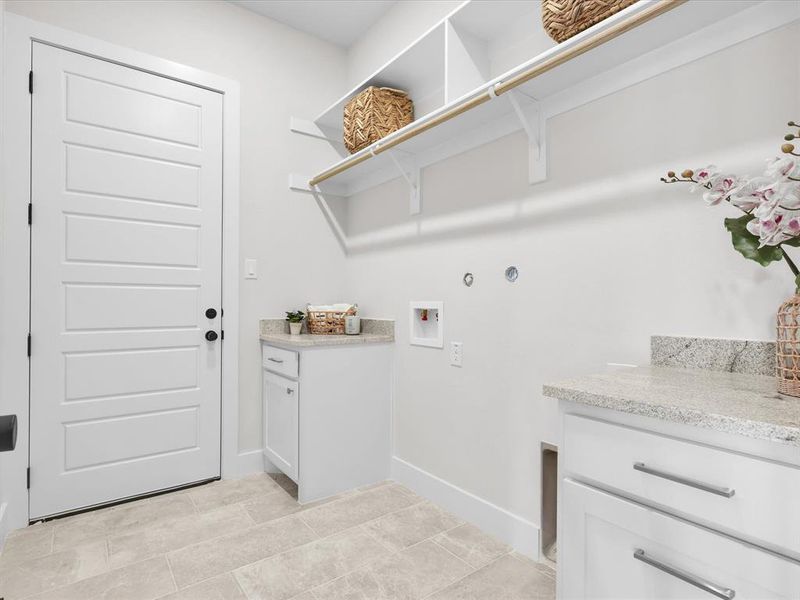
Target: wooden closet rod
[[501, 87]]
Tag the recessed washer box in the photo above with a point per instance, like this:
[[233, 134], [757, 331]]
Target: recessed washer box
[[426, 327]]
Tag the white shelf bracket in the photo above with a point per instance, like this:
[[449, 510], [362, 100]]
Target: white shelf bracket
[[341, 236], [414, 183], [531, 116]]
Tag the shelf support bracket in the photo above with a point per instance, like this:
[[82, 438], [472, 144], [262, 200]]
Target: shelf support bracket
[[341, 236], [531, 116], [413, 180]]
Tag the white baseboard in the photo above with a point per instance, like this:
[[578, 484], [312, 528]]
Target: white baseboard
[[519, 533]]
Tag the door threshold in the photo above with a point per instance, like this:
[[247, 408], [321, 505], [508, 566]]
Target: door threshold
[[94, 507]]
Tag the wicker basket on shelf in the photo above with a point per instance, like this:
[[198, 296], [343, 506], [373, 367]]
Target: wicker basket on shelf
[[373, 114], [564, 18], [327, 322], [787, 356]]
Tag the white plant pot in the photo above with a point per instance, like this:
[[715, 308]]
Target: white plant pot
[[295, 328]]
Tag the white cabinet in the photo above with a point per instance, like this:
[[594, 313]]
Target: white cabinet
[[727, 490], [618, 549], [280, 397], [654, 510], [280, 361], [327, 415]]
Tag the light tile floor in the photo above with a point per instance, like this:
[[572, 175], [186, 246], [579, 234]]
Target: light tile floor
[[249, 538]]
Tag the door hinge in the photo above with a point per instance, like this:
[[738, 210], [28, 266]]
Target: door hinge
[[29, 478], [29, 345], [222, 334], [30, 213], [30, 82]]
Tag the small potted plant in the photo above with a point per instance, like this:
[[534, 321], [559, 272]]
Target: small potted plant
[[295, 321]]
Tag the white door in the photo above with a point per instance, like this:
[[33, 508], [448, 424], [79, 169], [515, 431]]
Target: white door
[[280, 422], [125, 261], [613, 549]]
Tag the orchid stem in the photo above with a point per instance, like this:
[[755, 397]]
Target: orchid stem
[[789, 262]]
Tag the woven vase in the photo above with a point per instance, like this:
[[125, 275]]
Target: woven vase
[[787, 358]]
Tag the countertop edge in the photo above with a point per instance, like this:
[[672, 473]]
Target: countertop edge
[[355, 340], [760, 430]]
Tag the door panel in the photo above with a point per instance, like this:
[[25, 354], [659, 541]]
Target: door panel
[[125, 258], [119, 108], [121, 175]]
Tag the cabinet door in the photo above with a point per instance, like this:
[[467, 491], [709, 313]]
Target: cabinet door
[[613, 548], [280, 396]]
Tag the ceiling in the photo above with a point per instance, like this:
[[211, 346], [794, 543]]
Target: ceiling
[[337, 21]]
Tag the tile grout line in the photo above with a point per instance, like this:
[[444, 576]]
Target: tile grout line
[[343, 575], [139, 530], [393, 551], [360, 525], [171, 573], [240, 503], [491, 562], [372, 535], [410, 495], [456, 556], [106, 539]]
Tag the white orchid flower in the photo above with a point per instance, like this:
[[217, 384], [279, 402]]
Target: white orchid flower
[[784, 166], [721, 188]]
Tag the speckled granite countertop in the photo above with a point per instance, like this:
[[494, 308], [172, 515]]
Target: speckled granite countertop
[[373, 331], [730, 402]]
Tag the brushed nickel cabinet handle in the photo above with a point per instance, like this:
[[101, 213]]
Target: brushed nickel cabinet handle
[[275, 360], [706, 487], [698, 582]]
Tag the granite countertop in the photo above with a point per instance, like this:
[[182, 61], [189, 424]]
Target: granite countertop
[[373, 331], [729, 402]]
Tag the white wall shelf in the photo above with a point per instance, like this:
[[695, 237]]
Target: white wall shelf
[[463, 66]]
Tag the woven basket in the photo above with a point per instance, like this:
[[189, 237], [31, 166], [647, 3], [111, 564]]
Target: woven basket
[[327, 322], [564, 18], [787, 358], [373, 114]]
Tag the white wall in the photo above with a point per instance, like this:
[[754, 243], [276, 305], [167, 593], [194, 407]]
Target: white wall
[[282, 72], [396, 29], [607, 257]]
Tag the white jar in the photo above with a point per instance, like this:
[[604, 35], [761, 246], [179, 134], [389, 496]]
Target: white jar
[[352, 325]]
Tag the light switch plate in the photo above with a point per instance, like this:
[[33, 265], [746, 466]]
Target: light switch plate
[[456, 353], [250, 268]]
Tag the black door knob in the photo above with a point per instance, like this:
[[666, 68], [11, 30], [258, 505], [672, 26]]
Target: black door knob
[[211, 313], [211, 335]]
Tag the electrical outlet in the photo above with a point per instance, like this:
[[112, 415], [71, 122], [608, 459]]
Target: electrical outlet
[[250, 268], [456, 353]]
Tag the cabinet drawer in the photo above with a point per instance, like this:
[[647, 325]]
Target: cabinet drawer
[[734, 492], [613, 548], [278, 360]]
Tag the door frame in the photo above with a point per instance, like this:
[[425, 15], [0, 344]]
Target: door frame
[[15, 168]]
